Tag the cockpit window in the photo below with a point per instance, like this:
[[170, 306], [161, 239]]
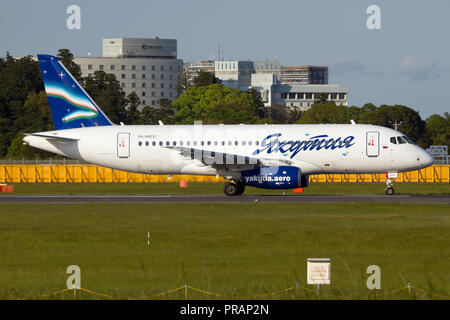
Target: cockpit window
[[408, 140], [400, 140], [393, 140]]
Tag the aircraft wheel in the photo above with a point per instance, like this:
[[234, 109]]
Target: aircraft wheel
[[389, 191], [241, 188], [231, 189]]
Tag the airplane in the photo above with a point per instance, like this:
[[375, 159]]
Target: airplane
[[267, 156]]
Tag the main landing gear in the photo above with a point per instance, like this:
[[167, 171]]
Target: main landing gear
[[233, 188], [389, 189]]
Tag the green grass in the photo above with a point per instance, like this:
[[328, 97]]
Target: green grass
[[217, 188], [239, 250]]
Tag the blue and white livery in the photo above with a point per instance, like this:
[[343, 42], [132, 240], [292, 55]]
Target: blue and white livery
[[265, 156]]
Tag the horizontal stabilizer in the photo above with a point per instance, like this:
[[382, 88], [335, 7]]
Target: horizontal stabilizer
[[53, 137]]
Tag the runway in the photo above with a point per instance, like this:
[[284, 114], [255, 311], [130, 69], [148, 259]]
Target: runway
[[222, 199]]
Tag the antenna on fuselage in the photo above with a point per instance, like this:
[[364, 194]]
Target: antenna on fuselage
[[160, 123], [352, 122]]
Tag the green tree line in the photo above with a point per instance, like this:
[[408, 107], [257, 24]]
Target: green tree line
[[24, 107]]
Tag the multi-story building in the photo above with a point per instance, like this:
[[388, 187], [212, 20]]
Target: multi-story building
[[147, 66], [304, 75], [292, 86], [191, 69], [302, 96]]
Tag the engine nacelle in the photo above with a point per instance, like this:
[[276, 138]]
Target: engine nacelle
[[277, 177]]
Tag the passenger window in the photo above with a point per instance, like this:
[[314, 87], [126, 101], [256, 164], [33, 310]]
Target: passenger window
[[153, 143], [400, 140], [140, 143], [249, 143], [146, 143], [393, 140], [160, 143]]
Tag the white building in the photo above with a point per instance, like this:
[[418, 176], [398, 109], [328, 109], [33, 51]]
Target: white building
[[148, 67]]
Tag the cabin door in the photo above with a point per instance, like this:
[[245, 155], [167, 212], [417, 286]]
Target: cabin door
[[123, 145], [372, 143]]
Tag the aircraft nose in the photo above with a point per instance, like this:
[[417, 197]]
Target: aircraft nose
[[425, 159]]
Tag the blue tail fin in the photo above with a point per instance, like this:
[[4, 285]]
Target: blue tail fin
[[70, 105]]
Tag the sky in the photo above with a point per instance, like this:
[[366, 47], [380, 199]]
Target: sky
[[405, 61]]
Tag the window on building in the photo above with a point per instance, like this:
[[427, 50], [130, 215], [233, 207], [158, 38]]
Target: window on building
[[89, 66], [133, 85], [300, 96], [153, 68], [153, 102], [143, 93], [123, 75], [309, 95], [133, 67], [162, 93], [143, 67], [153, 93], [101, 67], [123, 67], [162, 68], [170, 85], [162, 77], [143, 85], [170, 77], [170, 68], [143, 102], [153, 76], [333, 96], [143, 76], [112, 67], [153, 84], [341, 96], [90, 75], [291, 95], [133, 76], [162, 85], [123, 84], [170, 94]]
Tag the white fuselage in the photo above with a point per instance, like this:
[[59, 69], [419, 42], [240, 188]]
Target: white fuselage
[[313, 148]]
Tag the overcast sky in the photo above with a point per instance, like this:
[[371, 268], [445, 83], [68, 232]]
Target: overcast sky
[[404, 62]]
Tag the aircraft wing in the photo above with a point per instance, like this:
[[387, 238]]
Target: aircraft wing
[[220, 159]]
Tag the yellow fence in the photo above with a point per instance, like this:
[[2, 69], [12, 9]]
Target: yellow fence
[[81, 173]]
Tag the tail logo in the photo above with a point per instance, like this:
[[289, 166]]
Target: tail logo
[[83, 108]]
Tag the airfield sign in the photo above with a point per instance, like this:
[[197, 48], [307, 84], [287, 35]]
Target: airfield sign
[[318, 270]]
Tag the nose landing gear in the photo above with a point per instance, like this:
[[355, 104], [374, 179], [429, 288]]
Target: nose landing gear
[[389, 189], [233, 188]]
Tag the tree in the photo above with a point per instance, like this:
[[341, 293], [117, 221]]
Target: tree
[[108, 94], [18, 78], [132, 112], [438, 129], [36, 118], [327, 112], [66, 58], [283, 114], [216, 104], [205, 78], [323, 98], [411, 123]]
